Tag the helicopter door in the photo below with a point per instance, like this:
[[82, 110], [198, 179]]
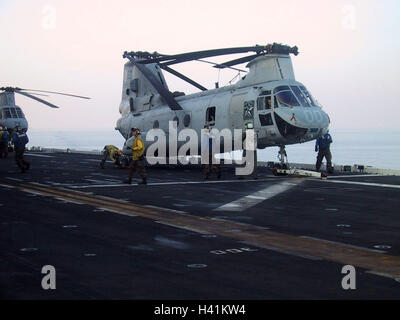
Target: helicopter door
[[236, 111]]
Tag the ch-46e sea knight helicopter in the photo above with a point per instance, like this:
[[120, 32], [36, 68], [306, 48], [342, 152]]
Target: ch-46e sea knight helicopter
[[280, 109], [11, 115]]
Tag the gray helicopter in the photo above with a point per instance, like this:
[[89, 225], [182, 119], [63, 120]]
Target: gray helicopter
[[11, 115], [268, 98]]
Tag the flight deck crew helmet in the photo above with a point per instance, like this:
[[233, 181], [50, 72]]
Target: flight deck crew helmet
[[249, 125], [119, 152]]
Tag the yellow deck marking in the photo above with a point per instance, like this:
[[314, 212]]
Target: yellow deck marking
[[254, 235]]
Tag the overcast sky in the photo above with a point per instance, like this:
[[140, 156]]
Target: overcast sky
[[349, 52]]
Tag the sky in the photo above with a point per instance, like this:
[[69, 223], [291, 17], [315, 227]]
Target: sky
[[348, 57]]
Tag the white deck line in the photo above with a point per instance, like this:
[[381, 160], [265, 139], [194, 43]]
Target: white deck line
[[370, 184], [357, 176], [37, 155], [251, 200], [170, 183]]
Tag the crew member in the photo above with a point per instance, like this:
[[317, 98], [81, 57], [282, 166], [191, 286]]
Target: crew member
[[4, 138], [114, 154], [137, 163], [20, 139], [210, 166], [322, 146]]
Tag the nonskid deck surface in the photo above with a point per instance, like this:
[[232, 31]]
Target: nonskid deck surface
[[182, 237]]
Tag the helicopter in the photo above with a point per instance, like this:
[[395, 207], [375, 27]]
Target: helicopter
[[268, 99], [11, 115]]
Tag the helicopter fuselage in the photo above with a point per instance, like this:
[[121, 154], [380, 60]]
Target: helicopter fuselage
[[11, 117], [285, 121], [268, 99]]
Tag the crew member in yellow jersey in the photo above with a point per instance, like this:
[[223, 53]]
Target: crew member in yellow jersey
[[137, 163], [114, 154]]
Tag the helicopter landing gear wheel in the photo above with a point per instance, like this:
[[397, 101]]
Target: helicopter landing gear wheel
[[283, 163], [282, 157]]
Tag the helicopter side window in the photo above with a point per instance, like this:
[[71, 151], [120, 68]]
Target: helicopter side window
[[210, 115], [186, 120], [287, 99], [268, 102], [131, 106], [266, 119], [261, 103], [264, 103], [300, 96]]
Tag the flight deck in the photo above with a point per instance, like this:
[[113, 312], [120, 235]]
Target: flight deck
[[182, 237]]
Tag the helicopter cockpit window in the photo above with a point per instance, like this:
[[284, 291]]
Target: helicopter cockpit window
[[20, 113], [14, 113], [308, 96], [281, 88], [287, 99], [275, 103], [300, 96], [6, 113]]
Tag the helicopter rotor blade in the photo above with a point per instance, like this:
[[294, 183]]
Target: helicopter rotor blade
[[64, 94], [36, 98], [37, 94], [179, 58], [168, 97], [183, 77], [218, 64], [236, 61]]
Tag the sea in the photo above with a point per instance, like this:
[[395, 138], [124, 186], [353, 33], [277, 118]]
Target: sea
[[380, 149]]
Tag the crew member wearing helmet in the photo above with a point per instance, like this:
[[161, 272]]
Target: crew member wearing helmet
[[4, 138], [322, 146], [20, 139], [114, 154], [137, 164]]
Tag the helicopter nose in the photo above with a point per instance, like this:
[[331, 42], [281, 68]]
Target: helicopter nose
[[301, 123]]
